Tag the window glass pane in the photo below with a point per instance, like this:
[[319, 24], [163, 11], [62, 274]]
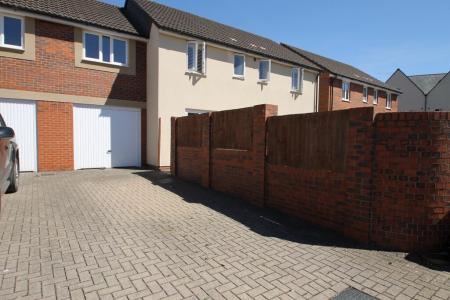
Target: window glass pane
[[263, 69], [106, 48], [200, 62], [120, 51], [91, 46], [239, 65], [13, 31], [294, 79], [191, 56]]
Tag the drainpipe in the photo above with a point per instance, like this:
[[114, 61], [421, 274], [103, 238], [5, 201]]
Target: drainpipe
[[317, 93], [331, 99], [426, 103]]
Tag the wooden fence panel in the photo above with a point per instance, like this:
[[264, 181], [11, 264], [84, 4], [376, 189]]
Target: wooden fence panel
[[232, 129], [189, 131], [310, 141]]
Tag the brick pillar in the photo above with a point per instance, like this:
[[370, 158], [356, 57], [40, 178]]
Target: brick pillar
[[173, 146], [55, 136], [260, 115]]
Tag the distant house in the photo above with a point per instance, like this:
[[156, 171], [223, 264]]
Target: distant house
[[427, 92], [343, 86]]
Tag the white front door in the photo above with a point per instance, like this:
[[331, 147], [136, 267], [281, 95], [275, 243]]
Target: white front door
[[21, 116], [106, 137]]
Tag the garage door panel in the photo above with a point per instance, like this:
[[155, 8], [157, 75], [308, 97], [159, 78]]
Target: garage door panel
[[106, 137], [21, 116]]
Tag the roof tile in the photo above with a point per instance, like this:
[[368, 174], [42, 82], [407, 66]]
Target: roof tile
[[89, 12]]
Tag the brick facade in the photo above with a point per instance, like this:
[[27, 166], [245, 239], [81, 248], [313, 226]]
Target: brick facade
[[54, 70], [330, 96], [55, 136], [392, 191]]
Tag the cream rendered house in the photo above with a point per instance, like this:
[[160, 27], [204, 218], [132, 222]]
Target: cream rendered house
[[196, 65]]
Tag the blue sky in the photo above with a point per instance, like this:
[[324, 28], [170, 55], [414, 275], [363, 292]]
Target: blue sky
[[377, 36]]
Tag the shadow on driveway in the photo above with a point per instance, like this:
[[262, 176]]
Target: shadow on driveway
[[262, 221]]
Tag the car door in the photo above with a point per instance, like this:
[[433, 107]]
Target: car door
[[6, 148]]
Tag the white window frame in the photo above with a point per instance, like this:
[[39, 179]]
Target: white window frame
[[238, 75], [111, 49], [388, 100], [375, 96], [366, 94], [301, 73], [344, 83], [195, 71], [2, 32], [265, 80]]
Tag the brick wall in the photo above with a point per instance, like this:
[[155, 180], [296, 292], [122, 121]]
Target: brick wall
[[330, 96], [54, 71], [55, 136], [391, 189], [337, 198], [412, 180]]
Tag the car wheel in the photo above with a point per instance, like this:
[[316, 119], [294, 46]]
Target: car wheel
[[14, 178]]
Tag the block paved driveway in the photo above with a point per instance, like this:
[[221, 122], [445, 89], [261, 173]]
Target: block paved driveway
[[129, 234]]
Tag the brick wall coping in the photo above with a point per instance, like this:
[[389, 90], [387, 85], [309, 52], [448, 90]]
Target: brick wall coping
[[400, 116]]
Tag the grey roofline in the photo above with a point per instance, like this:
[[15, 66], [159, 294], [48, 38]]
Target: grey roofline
[[438, 83], [403, 73], [325, 68], [72, 19], [228, 45]]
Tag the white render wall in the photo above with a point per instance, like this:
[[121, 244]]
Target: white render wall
[[176, 91]]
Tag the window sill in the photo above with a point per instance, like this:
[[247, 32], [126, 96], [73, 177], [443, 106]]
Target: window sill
[[388, 108], [263, 82], [197, 74], [298, 92], [375, 103], [103, 63], [365, 102], [12, 48], [345, 100], [239, 77]]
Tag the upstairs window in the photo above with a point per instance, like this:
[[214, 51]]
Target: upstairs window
[[239, 65], [105, 49], [365, 93], [196, 57], [264, 70], [389, 101], [297, 80], [11, 32], [345, 91], [375, 96]]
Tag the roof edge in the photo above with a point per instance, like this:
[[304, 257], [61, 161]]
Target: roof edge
[[37, 12], [335, 73]]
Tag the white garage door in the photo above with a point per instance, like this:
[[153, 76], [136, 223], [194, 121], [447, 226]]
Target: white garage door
[[21, 116], [106, 137]]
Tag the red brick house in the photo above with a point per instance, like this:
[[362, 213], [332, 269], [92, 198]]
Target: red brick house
[[72, 74], [342, 86]]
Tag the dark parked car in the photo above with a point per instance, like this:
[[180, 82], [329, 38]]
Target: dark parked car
[[9, 159]]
